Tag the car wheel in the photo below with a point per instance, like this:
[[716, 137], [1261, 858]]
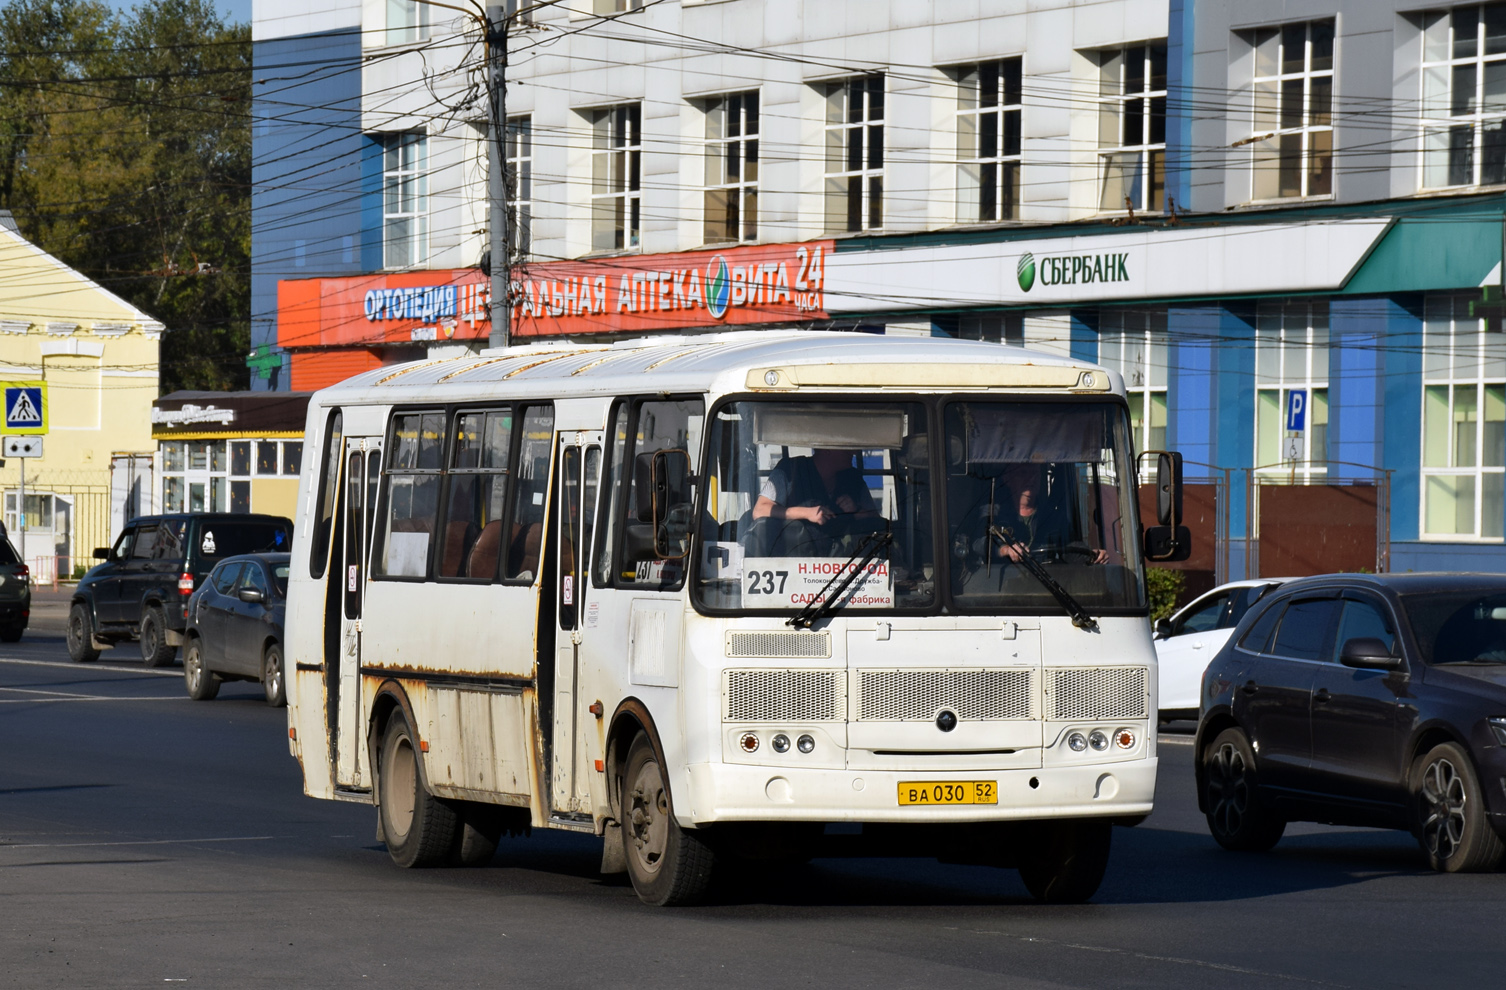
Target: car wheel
[[81, 634], [272, 680], [11, 634], [420, 829], [1237, 815], [1452, 826], [202, 683], [1068, 862], [668, 865], [155, 649]]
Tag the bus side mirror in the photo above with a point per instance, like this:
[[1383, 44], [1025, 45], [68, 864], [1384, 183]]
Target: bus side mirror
[[674, 503], [1167, 545], [1168, 540]]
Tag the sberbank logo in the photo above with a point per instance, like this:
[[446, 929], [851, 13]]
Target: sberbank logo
[[718, 287], [1025, 271]]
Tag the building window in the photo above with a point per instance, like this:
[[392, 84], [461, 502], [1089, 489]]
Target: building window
[[1463, 422], [855, 154], [405, 200], [520, 183], [993, 328], [1464, 97], [1133, 343], [616, 148], [988, 141], [1291, 355], [615, 6], [1293, 120], [732, 168], [1132, 128], [407, 21]]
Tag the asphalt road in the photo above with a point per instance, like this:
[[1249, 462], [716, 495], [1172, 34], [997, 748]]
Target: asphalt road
[[147, 840]]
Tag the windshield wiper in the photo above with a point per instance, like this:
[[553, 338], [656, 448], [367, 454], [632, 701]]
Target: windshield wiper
[[1080, 617], [824, 604]]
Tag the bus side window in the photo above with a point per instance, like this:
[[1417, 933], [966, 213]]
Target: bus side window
[[472, 532], [606, 534], [658, 424], [525, 535], [411, 484], [324, 509]]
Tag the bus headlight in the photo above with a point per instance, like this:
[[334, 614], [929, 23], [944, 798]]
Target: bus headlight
[[1077, 742], [781, 743], [805, 743], [1098, 740]]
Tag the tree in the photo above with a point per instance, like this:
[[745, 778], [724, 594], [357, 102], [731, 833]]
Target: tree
[[125, 150]]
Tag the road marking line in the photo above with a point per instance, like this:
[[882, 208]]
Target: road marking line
[[92, 666], [140, 842], [87, 697]]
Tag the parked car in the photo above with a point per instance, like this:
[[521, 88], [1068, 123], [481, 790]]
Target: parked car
[[15, 593], [235, 627], [1190, 638], [141, 590], [1372, 700]]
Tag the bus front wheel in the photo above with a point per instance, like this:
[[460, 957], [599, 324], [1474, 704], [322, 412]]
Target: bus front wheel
[[1068, 861], [668, 865], [420, 829]]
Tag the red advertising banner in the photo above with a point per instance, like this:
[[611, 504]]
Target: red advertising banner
[[766, 283]]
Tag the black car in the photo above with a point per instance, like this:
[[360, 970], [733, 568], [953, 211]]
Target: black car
[[235, 627], [15, 592], [1371, 700], [141, 590]]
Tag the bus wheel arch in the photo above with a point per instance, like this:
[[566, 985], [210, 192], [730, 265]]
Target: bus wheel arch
[[390, 697], [630, 718]]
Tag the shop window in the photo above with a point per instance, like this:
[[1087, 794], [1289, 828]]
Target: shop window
[[172, 494], [616, 177], [240, 458], [653, 425], [855, 154], [411, 495], [1132, 128], [173, 456], [292, 457], [1292, 133], [988, 141], [731, 178], [521, 562], [473, 529], [266, 457], [1134, 343], [1464, 96], [1291, 354], [240, 496], [1463, 422]]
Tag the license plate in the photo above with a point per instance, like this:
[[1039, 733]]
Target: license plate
[[949, 792]]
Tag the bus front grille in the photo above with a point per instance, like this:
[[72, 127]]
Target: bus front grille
[[784, 696], [777, 644], [1095, 693], [919, 695]]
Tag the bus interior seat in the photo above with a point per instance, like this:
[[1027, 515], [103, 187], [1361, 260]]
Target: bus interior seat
[[459, 535], [481, 562], [523, 551]]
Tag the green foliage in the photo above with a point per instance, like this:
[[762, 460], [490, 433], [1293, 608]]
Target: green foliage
[[1165, 587], [125, 150]]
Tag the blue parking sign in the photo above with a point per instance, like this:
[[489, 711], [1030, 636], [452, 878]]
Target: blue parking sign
[[1296, 410]]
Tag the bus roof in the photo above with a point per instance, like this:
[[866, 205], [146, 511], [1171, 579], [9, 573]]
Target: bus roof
[[759, 360]]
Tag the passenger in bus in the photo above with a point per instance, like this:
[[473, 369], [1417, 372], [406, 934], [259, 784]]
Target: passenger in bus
[[818, 498]]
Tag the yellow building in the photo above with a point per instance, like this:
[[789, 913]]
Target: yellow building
[[98, 355]]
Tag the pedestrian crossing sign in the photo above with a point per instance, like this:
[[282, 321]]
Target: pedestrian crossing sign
[[25, 407]]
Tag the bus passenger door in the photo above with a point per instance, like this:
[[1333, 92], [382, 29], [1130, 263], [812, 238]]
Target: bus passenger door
[[362, 469], [578, 467]]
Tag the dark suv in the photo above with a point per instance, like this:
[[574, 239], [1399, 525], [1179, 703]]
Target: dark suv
[[141, 590]]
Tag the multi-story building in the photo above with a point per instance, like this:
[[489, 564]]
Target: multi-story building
[[1276, 224]]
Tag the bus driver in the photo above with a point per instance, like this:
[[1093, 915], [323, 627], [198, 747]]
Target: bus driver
[[815, 489]]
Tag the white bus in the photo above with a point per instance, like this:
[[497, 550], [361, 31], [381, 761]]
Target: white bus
[[705, 597]]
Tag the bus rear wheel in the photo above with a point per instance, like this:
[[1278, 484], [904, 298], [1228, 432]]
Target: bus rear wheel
[[420, 829], [668, 865], [1068, 861]]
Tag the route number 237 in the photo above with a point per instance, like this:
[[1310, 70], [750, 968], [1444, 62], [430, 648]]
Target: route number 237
[[763, 582]]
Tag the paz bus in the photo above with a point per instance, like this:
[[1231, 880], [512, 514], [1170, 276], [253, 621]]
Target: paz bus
[[745, 596]]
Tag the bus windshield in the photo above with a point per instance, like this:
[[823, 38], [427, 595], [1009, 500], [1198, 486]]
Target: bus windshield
[[801, 493]]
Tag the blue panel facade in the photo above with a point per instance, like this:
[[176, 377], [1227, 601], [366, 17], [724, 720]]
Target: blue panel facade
[[305, 171], [1083, 335], [1179, 102]]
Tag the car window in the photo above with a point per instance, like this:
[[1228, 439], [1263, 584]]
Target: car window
[[123, 544], [231, 539], [1362, 620], [8, 555], [170, 539], [1458, 627], [280, 579], [252, 577], [146, 541], [1241, 600], [225, 576], [1303, 632], [1202, 616], [1258, 638]]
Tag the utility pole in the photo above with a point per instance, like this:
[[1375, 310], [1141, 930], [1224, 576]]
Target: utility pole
[[501, 255]]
